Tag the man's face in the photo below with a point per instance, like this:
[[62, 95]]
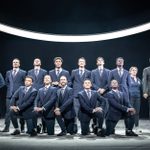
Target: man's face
[[114, 84], [133, 71], [100, 62], [47, 80], [37, 62], [28, 82], [87, 84], [81, 63], [63, 81], [120, 62], [58, 63], [16, 63]]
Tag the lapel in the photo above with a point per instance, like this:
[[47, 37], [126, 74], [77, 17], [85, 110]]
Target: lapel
[[45, 96], [24, 96], [116, 96], [87, 100], [16, 76]]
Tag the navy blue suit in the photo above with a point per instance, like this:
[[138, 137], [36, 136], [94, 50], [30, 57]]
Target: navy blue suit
[[123, 80], [64, 72], [2, 82], [86, 108], [12, 84], [65, 103], [25, 102], [37, 80], [118, 105], [100, 81], [47, 100]]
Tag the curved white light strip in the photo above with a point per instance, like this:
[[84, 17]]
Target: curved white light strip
[[74, 38]]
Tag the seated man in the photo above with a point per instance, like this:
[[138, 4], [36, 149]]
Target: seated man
[[92, 105], [64, 110], [45, 104], [119, 107], [22, 104]]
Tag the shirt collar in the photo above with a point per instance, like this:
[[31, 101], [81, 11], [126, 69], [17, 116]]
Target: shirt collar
[[47, 86], [100, 67], [64, 87], [17, 69], [37, 67], [60, 69]]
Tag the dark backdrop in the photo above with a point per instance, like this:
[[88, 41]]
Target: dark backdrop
[[74, 17]]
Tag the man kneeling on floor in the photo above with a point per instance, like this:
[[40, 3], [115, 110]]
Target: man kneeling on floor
[[92, 105], [119, 107], [21, 105]]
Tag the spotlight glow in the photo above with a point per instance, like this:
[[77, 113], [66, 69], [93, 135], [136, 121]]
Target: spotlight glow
[[74, 38]]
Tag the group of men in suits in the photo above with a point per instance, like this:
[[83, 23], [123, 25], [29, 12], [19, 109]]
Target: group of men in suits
[[98, 94]]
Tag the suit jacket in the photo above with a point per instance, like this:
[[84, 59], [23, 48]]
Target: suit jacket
[[77, 81], [87, 105], [2, 82], [38, 80], [14, 83], [25, 102], [47, 101], [64, 72], [146, 81], [117, 105], [100, 81], [123, 80], [65, 103]]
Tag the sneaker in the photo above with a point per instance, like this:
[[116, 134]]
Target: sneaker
[[101, 132]]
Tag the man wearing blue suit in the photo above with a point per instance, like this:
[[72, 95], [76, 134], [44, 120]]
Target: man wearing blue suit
[[22, 104], [45, 104], [119, 107], [58, 72], [14, 79], [77, 78], [92, 105], [64, 110], [38, 76]]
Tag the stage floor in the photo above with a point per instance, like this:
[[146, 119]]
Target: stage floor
[[68, 142]]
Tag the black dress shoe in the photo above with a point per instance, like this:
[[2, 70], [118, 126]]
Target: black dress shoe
[[33, 133], [5, 130], [75, 129], [16, 132], [62, 133], [131, 133], [101, 132], [39, 127]]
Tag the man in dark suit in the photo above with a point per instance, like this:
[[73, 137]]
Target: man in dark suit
[[2, 82], [14, 79], [38, 76], [77, 78], [45, 104], [21, 105], [119, 107], [64, 110], [58, 72], [92, 105], [146, 85]]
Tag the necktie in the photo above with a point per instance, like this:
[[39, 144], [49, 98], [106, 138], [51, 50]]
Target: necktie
[[25, 90], [36, 72], [100, 72], [81, 73], [120, 72], [118, 94], [14, 73], [57, 72], [89, 94], [62, 92], [45, 90]]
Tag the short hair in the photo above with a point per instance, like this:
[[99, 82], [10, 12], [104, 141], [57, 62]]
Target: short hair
[[119, 58], [63, 76], [82, 58], [87, 79], [58, 58], [133, 68], [100, 58], [29, 77], [16, 59]]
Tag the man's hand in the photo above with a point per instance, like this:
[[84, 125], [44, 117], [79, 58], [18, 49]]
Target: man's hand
[[132, 111], [38, 109], [97, 109], [14, 108], [145, 95], [56, 83], [101, 91]]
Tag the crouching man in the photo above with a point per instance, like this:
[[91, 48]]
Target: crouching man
[[21, 106], [92, 105], [45, 104]]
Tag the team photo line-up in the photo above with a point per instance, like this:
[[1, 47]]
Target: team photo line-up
[[98, 99]]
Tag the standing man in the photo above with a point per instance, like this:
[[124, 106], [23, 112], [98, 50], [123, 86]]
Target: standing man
[[22, 104], [92, 105], [77, 78], [58, 72], [38, 77], [14, 79], [146, 85], [119, 107], [64, 110], [45, 104], [2, 82]]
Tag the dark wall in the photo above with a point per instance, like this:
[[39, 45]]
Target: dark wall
[[135, 50]]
